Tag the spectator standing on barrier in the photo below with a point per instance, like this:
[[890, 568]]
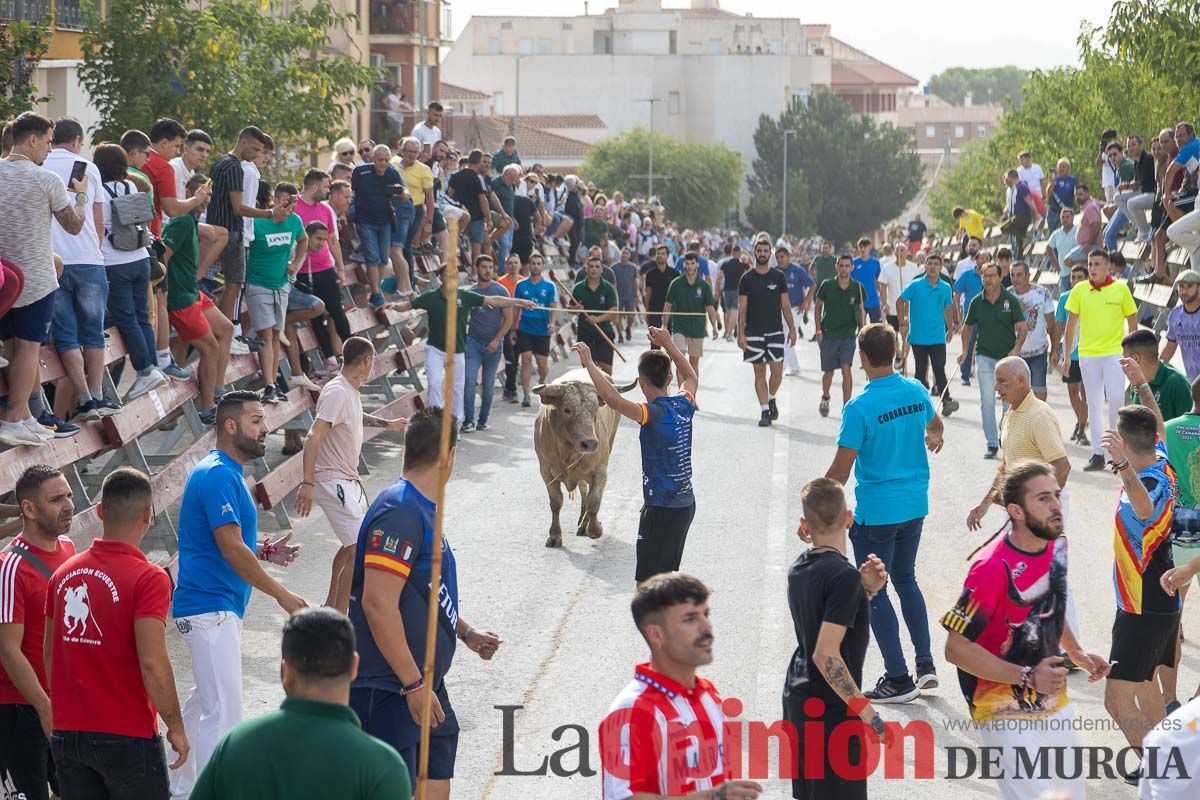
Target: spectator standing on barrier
[[467, 188], [332, 451], [486, 332], [1020, 211], [1183, 324], [324, 272], [428, 131], [1124, 171], [79, 304], [220, 561], [1041, 345], [1185, 229], [1060, 245], [389, 606], [110, 675], [1062, 195], [504, 189], [197, 146], [328, 754], [506, 155], [375, 186], [1073, 376], [1170, 388], [26, 564], [418, 177], [30, 198], [533, 327], [509, 280], [1097, 312], [166, 136], [887, 451], [1135, 197]]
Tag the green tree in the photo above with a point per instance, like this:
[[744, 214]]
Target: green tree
[[221, 66], [991, 85], [22, 45], [703, 179], [858, 173]]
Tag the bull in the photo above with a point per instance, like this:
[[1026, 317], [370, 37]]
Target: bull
[[573, 435]]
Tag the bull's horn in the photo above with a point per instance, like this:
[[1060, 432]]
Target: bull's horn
[[548, 391], [623, 388], [1031, 594]]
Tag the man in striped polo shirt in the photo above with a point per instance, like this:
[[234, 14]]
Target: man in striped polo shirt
[[648, 740]]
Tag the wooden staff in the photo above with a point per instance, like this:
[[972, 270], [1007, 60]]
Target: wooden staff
[[450, 278], [586, 315]]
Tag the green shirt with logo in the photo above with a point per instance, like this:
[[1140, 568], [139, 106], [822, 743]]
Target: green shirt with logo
[[840, 308], [1171, 391], [433, 303], [181, 235], [996, 323], [271, 250], [690, 298], [599, 300]]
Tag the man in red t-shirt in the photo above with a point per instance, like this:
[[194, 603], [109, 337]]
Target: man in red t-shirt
[[44, 497], [106, 647], [166, 137]]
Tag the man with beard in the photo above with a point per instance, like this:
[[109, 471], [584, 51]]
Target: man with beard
[[763, 308], [219, 563], [1005, 634], [656, 279], [641, 752], [1183, 325]]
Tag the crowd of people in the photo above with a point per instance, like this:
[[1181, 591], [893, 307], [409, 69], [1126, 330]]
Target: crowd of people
[[193, 261]]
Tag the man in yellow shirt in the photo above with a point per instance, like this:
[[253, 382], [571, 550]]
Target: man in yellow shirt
[[970, 224], [418, 177], [1096, 310]]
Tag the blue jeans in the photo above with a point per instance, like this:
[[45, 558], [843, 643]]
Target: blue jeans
[[986, 374], [375, 239], [478, 356], [128, 288], [504, 246], [896, 545], [404, 218], [79, 308], [104, 766], [966, 365], [1115, 226], [414, 229]]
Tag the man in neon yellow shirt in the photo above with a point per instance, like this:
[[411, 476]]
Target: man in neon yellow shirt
[[418, 177], [970, 223], [1095, 311]]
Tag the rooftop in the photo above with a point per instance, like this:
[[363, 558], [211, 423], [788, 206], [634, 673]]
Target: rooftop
[[448, 91], [487, 133], [867, 73], [558, 120]]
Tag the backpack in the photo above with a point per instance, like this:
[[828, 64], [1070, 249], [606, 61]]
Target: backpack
[[131, 213]]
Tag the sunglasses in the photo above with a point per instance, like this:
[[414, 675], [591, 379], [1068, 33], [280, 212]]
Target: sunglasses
[[364, 149], [345, 152]]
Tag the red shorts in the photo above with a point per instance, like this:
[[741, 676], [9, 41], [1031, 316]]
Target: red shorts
[[190, 322], [914, 248]]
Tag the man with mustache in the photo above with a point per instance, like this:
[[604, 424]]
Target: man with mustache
[[219, 563], [641, 750], [1006, 631]]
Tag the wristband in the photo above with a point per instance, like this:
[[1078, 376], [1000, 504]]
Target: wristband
[[306, 483], [1026, 678], [1120, 466], [877, 725], [415, 686], [1140, 386], [268, 550]]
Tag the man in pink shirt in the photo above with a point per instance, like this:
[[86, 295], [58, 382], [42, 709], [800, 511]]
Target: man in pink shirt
[[1090, 223], [331, 454], [323, 273]]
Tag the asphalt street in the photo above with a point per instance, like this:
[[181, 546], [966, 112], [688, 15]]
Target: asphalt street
[[569, 642]]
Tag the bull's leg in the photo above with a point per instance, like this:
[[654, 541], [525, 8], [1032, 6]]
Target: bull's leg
[[585, 489], [591, 502], [554, 489]]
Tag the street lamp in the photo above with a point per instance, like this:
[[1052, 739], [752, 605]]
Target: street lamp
[[783, 225], [517, 111], [650, 174]]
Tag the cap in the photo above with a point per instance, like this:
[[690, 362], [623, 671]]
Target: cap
[[1188, 276]]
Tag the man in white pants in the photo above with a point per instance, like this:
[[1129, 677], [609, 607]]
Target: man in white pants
[[220, 559], [1185, 231], [434, 304], [1096, 310], [331, 453]]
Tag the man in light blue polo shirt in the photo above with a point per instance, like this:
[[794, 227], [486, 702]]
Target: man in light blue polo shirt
[[533, 331], [926, 311], [885, 431], [967, 285], [219, 561]]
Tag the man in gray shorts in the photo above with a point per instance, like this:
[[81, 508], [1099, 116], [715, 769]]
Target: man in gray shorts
[[626, 273], [839, 315]]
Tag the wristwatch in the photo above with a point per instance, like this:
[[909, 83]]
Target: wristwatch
[[81, 198]]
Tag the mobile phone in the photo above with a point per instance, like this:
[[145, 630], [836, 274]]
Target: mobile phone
[[78, 171]]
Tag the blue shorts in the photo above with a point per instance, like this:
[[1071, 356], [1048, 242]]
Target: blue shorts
[[439, 222], [554, 223], [1037, 371], [475, 231], [298, 300], [30, 323], [404, 220], [384, 714], [79, 306], [375, 240], [730, 300]]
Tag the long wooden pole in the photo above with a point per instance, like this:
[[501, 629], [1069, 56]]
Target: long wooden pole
[[450, 279], [571, 298]]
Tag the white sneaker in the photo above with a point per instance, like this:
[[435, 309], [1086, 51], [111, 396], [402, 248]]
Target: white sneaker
[[41, 430], [144, 383], [284, 340], [239, 348], [1142, 238], [16, 434], [304, 382], [3, 362]]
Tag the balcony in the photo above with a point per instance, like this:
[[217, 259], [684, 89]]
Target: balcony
[[32, 10], [68, 15], [390, 17]]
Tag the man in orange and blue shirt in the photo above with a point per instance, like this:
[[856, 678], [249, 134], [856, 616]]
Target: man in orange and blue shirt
[[1147, 619]]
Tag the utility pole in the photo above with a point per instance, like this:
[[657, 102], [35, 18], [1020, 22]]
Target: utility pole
[[651, 101], [517, 112], [783, 226]]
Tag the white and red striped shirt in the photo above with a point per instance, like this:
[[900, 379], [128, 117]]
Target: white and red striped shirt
[[662, 737], [23, 602]]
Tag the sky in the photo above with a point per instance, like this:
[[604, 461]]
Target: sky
[[920, 37]]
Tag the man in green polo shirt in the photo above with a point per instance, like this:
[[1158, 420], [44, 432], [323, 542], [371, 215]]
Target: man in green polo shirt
[[313, 746], [433, 303], [690, 294], [824, 266], [1171, 389], [839, 315], [599, 297], [1000, 319]]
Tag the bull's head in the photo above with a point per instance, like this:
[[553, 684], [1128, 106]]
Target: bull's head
[[1030, 595], [573, 406]]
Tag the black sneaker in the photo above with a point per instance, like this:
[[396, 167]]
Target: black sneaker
[[269, 394], [208, 418], [482, 426], [525, 402], [467, 427], [991, 453], [765, 420], [893, 690], [60, 429], [926, 675], [773, 409], [106, 407], [85, 410], [1133, 778], [1095, 464], [949, 406]]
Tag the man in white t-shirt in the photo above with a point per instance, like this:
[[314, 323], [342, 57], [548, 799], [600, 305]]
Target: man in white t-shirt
[[331, 454], [896, 274], [1031, 174], [1042, 340], [973, 248], [197, 146], [429, 132]]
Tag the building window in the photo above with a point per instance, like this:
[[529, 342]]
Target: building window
[[493, 46], [959, 131], [566, 26], [672, 45], [930, 131], [981, 131], [506, 26], [800, 96], [715, 47], [601, 43], [498, 102], [775, 47], [524, 46], [673, 102], [545, 46]]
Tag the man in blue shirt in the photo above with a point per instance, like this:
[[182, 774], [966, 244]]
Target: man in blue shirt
[[1019, 213], [389, 607], [669, 504], [220, 559], [533, 331], [1062, 195], [885, 431], [1185, 231], [968, 284], [376, 186], [703, 270], [799, 282], [867, 271], [926, 311]]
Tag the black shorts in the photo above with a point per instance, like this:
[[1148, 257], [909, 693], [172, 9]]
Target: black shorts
[[29, 323], [894, 321], [1141, 643], [830, 785], [662, 533], [523, 249], [1074, 374], [530, 342], [439, 222], [26, 767], [602, 352], [874, 314], [764, 348], [385, 715]]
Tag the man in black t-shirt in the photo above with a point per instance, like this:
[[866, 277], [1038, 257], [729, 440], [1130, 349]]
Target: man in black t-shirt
[[762, 309], [468, 190], [655, 282], [522, 243], [830, 604], [728, 277], [916, 234]]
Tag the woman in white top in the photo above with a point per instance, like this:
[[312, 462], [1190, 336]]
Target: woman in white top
[[343, 153], [128, 274]]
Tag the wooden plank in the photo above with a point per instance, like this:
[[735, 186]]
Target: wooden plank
[[1039, 248], [410, 357], [1048, 278], [363, 319], [146, 412], [1178, 256], [58, 453], [1135, 251], [281, 481], [1153, 293], [393, 317]]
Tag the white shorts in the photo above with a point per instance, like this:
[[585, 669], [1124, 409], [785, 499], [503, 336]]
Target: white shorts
[[345, 505], [1036, 738]]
